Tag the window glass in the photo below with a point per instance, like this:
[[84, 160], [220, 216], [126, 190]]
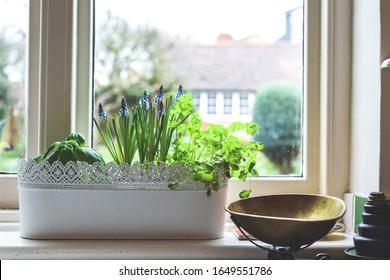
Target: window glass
[[227, 104], [196, 101], [211, 103], [13, 22], [223, 52], [244, 109]]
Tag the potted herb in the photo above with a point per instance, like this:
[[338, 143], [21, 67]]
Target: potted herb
[[168, 178], [170, 132]]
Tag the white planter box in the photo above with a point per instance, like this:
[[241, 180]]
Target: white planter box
[[57, 212], [121, 214]]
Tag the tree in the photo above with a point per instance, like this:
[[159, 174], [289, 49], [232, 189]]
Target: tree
[[11, 63], [129, 60], [4, 82], [277, 110]]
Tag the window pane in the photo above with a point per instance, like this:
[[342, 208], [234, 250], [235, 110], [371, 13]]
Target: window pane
[[244, 106], [227, 104], [196, 101], [13, 22], [211, 103], [222, 52]]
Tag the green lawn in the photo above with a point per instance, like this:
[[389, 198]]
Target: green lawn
[[7, 163]]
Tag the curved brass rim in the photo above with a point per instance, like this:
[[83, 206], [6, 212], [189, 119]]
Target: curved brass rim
[[286, 218]]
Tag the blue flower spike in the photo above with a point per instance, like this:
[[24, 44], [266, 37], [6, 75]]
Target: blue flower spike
[[123, 110], [101, 113], [159, 97], [160, 111], [179, 93], [144, 101]]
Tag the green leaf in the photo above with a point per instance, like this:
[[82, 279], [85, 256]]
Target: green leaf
[[257, 146], [53, 147], [195, 175], [252, 128], [206, 177], [173, 186], [234, 166], [215, 185], [243, 175], [250, 164], [66, 154], [245, 193], [235, 126], [88, 155], [184, 105], [52, 156], [38, 159], [209, 167], [254, 172], [80, 139]]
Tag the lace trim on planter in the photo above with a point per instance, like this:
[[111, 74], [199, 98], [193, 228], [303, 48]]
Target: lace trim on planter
[[111, 176]]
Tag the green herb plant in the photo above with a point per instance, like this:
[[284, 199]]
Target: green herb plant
[[73, 148], [216, 149]]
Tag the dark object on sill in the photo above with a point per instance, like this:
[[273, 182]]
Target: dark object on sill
[[373, 239], [353, 255]]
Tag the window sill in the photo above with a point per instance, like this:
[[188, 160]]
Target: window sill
[[14, 247]]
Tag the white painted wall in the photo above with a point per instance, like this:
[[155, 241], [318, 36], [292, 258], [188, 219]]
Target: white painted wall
[[366, 98], [220, 117]]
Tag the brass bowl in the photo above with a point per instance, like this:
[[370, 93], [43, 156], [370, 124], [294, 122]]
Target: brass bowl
[[287, 220]]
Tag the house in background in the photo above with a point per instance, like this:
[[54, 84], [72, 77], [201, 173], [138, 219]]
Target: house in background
[[224, 77]]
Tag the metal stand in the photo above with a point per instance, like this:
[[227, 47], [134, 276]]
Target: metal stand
[[280, 252]]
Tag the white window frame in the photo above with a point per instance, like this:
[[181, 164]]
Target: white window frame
[[58, 74]]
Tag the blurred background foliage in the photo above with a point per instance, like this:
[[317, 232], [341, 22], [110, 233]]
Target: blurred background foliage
[[277, 110]]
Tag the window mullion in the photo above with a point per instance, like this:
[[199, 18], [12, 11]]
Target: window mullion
[[311, 105], [55, 59], [82, 96], [335, 96]]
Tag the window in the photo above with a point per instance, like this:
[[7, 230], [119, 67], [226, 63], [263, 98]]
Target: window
[[196, 101], [262, 83], [50, 72], [12, 57], [211, 103], [13, 34], [227, 104], [244, 105], [210, 66]]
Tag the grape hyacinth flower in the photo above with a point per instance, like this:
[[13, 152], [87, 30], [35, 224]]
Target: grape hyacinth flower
[[123, 110], [159, 97], [160, 111], [179, 93], [101, 113], [145, 101]]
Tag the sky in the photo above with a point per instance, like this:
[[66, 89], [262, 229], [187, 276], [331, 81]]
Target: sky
[[201, 20], [205, 19], [13, 13]]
